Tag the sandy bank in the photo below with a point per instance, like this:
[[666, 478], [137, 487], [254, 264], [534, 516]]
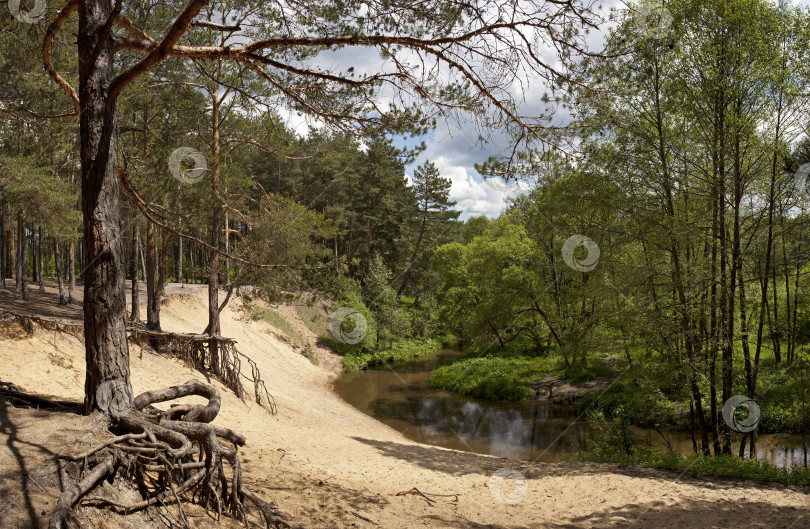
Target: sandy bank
[[327, 465]]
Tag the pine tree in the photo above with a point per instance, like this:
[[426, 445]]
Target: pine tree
[[435, 209]]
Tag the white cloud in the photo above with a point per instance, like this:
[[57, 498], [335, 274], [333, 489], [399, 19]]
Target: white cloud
[[474, 197]]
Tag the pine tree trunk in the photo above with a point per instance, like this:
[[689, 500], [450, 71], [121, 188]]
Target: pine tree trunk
[[105, 338], [71, 275], [152, 293], [135, 315], [41, 261], [34, 250], [213, 288], [22, 258], [143, 259], [3, 255], [179, 261], [413, 257], [57, 260], [9, 236], [216, 231]]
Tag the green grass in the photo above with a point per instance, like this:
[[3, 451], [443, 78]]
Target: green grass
[[360, 358], [696, 465], [276, 320], [499, 378], [490, 378]]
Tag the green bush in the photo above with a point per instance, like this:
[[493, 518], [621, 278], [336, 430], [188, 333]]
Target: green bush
[[402, 350], [491, 378], [613, 435], [697, 464]]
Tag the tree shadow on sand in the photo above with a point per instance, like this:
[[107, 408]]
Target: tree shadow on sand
[[31, 466]]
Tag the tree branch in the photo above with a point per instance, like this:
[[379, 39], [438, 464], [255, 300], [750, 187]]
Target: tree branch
[[47, 42], [158, 51]]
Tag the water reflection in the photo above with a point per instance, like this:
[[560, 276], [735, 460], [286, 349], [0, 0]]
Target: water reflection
[[400, 397]]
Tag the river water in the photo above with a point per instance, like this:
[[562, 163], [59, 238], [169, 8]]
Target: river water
[[398, 395]]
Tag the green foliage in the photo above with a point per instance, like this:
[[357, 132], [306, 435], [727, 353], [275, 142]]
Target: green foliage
[[400, 351], [489, 378], [696, 465], [277, 320], [613, 434]]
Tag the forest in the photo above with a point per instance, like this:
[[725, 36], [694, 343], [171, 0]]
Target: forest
[[654, 245]]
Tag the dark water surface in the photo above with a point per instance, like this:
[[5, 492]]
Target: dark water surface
[[398, 395]]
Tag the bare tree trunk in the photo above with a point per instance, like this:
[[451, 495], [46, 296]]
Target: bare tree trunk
[[135, 315], [105, 337], [152, 293], [71, 271], [143, 258], [776, 329], [34, 249], [227, 246], [22, 258], [178, 262], [216, 231], [413, 257], [57, 260], [41, 274], [3, 255]]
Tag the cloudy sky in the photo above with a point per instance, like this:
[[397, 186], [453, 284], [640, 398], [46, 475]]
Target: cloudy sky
[[454, 150], [454, 147]]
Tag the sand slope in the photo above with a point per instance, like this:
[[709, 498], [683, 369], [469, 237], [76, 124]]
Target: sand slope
[[327, 465]]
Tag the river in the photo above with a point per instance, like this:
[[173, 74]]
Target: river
[[398, 395]]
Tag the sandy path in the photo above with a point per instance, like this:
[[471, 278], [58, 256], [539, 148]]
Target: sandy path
[[325, 464]]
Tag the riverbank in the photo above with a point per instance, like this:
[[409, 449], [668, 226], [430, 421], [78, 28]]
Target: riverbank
[[515, 379], [326, 464]]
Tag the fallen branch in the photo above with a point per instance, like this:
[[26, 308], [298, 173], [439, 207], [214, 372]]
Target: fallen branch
[[372, 522], [425, 495]]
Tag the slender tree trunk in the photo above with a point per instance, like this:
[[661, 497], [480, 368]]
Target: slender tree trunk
[[152, 293], [34, 254], [105, 337], [413, 257], [142, 259], [135, 314], [9, 251], [216, 231], [57, 260], [179, 261], [687, 328], [794, 322], [3, 255], [41, 274], [71, 271], [22, 258]]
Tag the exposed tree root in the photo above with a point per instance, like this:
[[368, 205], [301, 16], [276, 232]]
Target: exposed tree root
[[28, 321], [191, 348], [172, 457]]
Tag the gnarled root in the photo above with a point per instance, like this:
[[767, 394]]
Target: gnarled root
[[172, 456]]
